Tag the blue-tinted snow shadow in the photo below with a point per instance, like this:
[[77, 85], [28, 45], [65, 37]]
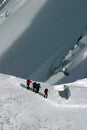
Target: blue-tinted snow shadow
[[31, 89], [78, 73], [4, 4], [45, 37]]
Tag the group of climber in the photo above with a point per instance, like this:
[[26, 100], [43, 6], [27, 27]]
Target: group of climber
[[36, 87]]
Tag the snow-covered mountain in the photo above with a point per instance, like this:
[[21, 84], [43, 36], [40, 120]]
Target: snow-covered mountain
[[44, 40], [35, 34]]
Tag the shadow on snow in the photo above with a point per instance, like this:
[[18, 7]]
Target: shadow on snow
[[31, 89]]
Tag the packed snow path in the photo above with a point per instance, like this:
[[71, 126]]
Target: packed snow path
[[21, 109]]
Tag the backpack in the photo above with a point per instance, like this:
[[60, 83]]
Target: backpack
[[34, 84], [46, 91]]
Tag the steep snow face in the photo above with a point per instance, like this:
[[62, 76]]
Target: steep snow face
[[78, 62], [73, 65], [3, 3], [22, 109], [39, 33]]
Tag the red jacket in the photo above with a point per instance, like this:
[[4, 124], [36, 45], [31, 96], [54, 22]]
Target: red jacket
[[46, 91], [28, 82]]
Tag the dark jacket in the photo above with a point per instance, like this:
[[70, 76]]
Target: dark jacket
[[34, 84], [46, 91]]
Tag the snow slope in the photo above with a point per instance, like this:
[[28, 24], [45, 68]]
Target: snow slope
[[22, 109], [39, 33], [74, 63], [34, 36]]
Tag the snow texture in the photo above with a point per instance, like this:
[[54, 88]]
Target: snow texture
[[22, 109]]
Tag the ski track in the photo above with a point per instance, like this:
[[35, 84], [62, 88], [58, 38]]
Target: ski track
[[68, 106]]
